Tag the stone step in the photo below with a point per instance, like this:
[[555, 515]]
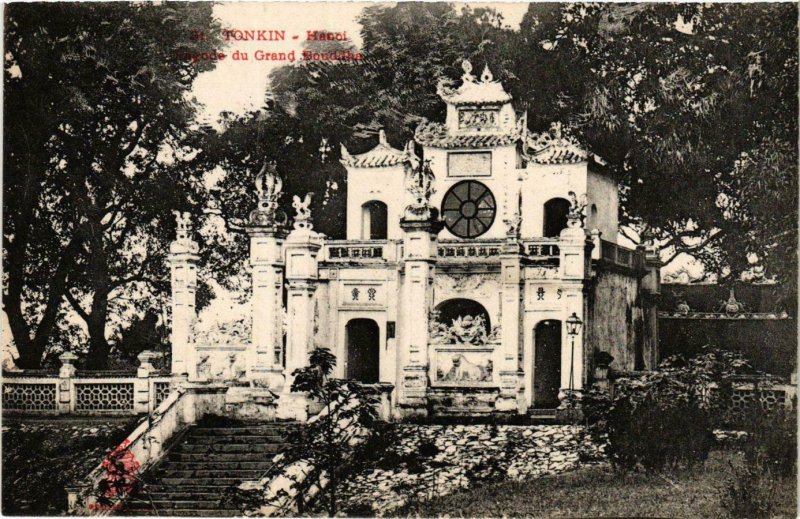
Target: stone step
[[218, 465], [242, 474], [187, 504], [213, 491], [219, 456], [233, 438], [277, 428], [208, 460], [272, 448], [222, 512], [185, 495], [218, 482]]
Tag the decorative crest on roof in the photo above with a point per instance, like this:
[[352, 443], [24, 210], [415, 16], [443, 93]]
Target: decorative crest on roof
[[487, 91], [553, 147], [381, 156]]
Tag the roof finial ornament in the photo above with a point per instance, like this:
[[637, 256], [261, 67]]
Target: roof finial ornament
[[486, 76], [467, 66], [382, 137], [269, 188], [555, 128]]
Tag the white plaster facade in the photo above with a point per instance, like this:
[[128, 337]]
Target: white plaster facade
[[470, 229]]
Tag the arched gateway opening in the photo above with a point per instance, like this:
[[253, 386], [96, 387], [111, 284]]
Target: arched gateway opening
[[547, 364], [363, 350]]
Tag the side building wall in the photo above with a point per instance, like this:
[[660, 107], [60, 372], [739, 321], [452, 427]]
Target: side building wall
[[616, 317]]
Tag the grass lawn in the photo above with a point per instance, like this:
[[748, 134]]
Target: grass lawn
[[597, 491]]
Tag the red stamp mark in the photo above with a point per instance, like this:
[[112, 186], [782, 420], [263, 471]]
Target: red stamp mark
[[121, 468]]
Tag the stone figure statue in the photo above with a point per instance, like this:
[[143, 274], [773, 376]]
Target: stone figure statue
[[183, 242], [302, 219], [420, 185], [577, 210]]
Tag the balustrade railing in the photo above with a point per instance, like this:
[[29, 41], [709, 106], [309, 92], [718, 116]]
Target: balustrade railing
[[362, 251], [378, 251], [619, 255], [447, 250], [90, 393]]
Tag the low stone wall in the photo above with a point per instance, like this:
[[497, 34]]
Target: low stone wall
[[426, 461]]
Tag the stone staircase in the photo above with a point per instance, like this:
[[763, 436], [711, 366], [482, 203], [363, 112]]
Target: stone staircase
[[206, 460]]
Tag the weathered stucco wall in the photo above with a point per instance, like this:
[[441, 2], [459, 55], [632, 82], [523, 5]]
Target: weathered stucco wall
[[616, 318]]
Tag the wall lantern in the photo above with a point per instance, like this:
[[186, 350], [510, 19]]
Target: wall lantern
[[573, 327], [573, 324]]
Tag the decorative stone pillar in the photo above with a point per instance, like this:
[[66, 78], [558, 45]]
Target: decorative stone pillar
[[141, 385], [575, 270], [651, 295], [511, 375], [302, 247], [265, 229], [420, 226], [183, 258], [65, 374]]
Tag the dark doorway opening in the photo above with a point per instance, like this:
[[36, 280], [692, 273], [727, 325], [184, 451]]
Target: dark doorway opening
[[375, 220], [363, 350], [547, 364], [555, 216]]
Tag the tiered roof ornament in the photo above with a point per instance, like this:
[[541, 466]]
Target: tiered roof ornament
[[554, 147], [487, 91], [381, 156]]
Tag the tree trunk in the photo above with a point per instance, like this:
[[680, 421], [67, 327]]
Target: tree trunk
[[32, 349], [97, 358]]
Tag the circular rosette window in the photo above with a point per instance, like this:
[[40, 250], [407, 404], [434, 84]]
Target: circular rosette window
[[468, 209]]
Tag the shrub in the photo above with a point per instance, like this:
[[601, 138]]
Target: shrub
[[654, 422], [750, 493], [769, 455], [664, 418]]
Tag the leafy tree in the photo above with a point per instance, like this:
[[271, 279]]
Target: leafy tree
[[97, 145], [695, 109]]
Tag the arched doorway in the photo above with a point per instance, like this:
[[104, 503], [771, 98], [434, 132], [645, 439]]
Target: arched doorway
[[547, 364], [555, 216], [453, 308], [375, 220], [363, 350]]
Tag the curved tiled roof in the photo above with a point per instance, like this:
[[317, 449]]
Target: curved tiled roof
[[472, 92], [559, 154], [381, 156], [435, 135], [552, 148]]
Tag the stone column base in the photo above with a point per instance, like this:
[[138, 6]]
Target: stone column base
[[292, 406], [510, 392], [267, 377], [414, 395], [570, 410], [250, 403]]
